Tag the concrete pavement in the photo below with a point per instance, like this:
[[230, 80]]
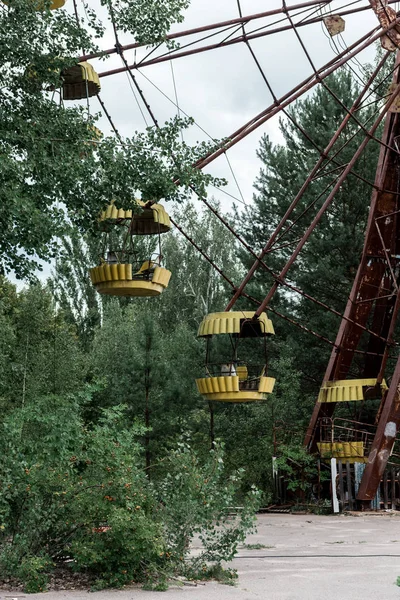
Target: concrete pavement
[[304, 557]]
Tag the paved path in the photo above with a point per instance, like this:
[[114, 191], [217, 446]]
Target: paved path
[[306, 558]]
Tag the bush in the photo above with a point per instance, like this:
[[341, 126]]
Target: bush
[[301, 471], [199, 502], [78, 492]]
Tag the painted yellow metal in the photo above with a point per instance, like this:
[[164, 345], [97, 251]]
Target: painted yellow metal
[[226, 389], [39, 5], [349, 451], [347, 390], [146, 266], [150, 221], [242, 372], [230, 322], [116, 280], [80, 81], [113, 213]]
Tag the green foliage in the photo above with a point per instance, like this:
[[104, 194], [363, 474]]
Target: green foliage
[[52, 172], [148, 20], [197, 501], [72, 288], [218, 573], [298, 467], [151, 370], [39, 351], [33, 571], [71, 490]]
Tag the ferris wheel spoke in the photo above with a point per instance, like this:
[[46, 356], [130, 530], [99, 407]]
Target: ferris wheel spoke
[[216, 25], [287, 99]]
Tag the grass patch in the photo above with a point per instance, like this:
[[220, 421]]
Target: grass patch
[[217, 573]]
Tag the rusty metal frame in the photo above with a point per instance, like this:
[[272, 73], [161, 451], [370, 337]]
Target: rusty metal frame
[[383, 442], [232, 22], [324, 155], [378, 243], [328, 201]]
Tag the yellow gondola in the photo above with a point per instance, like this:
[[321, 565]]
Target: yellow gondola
[[346, 390], [39, 5], [124, 270], [80, 81], [351, 390], [228, 378]]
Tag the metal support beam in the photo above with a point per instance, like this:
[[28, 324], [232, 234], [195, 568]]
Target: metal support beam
[[374, 275], [384, 439], [246, 19], [328, 201], [300, 194]]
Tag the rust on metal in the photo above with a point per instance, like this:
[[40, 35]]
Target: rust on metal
[[335, 24], [223, 24], [375, 297], [386, 16], [305, 186], [384, 439]]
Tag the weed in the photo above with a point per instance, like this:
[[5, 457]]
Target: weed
[[216, 572]]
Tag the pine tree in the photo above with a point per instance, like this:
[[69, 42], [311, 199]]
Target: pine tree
[[328, 263]]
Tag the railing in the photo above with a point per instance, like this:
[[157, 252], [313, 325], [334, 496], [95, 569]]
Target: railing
[[142, 266], [249, 375], [347, 430]]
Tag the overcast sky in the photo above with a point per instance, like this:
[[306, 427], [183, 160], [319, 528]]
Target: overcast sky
[[222, 88]]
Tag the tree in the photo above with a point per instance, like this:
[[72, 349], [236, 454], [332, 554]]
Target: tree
[[71, 285], [150, 371], [196, 288], [53, 169], [39, 352]]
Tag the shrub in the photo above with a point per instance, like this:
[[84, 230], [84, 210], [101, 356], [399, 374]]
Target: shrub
[[72, 491], [198, 503]]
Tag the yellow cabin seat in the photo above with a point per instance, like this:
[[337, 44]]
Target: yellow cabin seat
[[242, 372], [350, 390], [148, 265], [151, 220], [347, 451], [226, 389]]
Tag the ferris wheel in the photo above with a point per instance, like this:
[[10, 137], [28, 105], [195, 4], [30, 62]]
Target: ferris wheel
[[325, 36]]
